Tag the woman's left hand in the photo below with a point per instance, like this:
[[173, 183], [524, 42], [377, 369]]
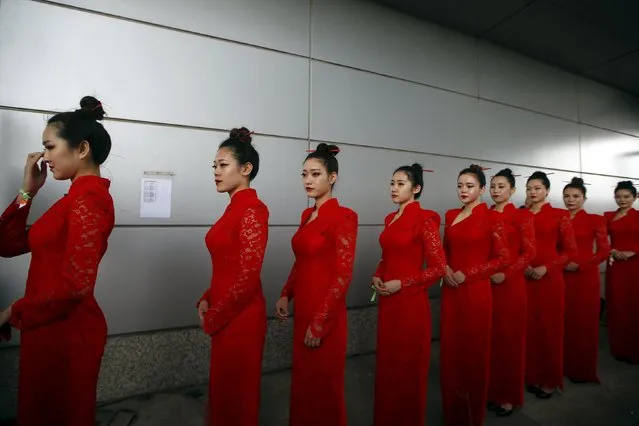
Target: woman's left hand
[[5, 316], [310, 340], [391, 287]]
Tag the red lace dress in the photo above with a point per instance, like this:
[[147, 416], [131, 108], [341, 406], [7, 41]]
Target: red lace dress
[[63, 330], [508, 348], [324, 253], [581, 334], [404, 320], [622, 288], [477, 246], [236, 319], [545, 331]]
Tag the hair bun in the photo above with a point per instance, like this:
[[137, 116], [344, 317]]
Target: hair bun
[[625, 184], [476, 168], [327, 149], [577, 181], [417, 167], [242, 134], [507, 171], [92, 108]]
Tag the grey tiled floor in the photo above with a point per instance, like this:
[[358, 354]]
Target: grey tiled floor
[[613, 403]]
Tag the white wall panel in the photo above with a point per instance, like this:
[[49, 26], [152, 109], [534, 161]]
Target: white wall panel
[[609, 108], [362, 108], [366, 260], [376, 38], [609, 152], [507, 77], [522, 137], [187, 153], [558, 179], [146, 73], [365, 174], [276, 24]]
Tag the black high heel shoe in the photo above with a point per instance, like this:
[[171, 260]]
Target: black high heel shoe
[[491, 407], [502, 412], [544, 395], [533, 389]]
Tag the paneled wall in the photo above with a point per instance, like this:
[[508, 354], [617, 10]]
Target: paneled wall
[[174, 76], [388, 88]]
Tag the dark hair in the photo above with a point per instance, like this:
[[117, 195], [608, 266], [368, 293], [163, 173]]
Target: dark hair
[[415, 173], [476, 170], [82, 125], [326, 154], [577, 183], [239, 142], [508, 174], [627, 185], [541, 176]]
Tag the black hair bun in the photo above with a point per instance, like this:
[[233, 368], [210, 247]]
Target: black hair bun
[[242, 134], [625, 184], [577, 181], [507, 171], [417, 167], [92, 108], [327, 149], [476, 168]]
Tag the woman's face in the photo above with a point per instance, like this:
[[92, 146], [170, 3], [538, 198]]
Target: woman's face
[[401, 188], [574, 199], [536, 191], [316, 179], [229, 174], [64, 162], [500, 190], [468, 188], [624, 198]]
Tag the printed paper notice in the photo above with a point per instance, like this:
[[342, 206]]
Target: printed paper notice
[[155, 198]]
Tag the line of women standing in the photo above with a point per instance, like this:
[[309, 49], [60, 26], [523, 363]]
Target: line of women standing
[[502, 272]]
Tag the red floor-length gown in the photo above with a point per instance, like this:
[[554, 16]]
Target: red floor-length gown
[[477, 246], [622, 288], [583, 289], [63, 330], [404, 324], [324, 254], [545, 332], [508, 347], [236, 319]]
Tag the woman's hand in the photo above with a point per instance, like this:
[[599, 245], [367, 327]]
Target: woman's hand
[[202, 309], [448, 278], [538, 272], [310, 340], [498, 278], [572, 267], [34, 175], [391, 287], [281, 308], [5, 316]]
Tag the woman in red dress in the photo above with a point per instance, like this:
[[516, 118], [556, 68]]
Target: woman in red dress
[[581, 275], [476, 249], [410, 237], [622, 282], [545, 290], [324, 248], [63, 330], [233, 311], [508, 347]]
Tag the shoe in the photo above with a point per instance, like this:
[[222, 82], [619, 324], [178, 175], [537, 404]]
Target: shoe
[[544, 395], [578, 381], [533, 389], [502, 412], [491, 407]]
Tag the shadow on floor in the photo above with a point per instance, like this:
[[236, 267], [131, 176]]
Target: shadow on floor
[[613, 403]]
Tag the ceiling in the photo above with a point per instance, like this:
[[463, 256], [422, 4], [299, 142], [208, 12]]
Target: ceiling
[[595, 38]]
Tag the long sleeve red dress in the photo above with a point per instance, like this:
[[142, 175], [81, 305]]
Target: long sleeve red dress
[[545, 331], [321, 275], [508, 347], [581, 333], [404, 322], [477, 247], [622, 288], [63, 330], [236, 318]]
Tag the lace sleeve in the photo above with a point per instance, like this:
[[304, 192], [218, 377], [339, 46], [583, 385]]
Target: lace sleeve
[[14, 239], [601, 239], [567, 244], [345, 235], [435, 257], [500, 255], [89, 226], [253, 236], [287, 291], [527, 249]]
